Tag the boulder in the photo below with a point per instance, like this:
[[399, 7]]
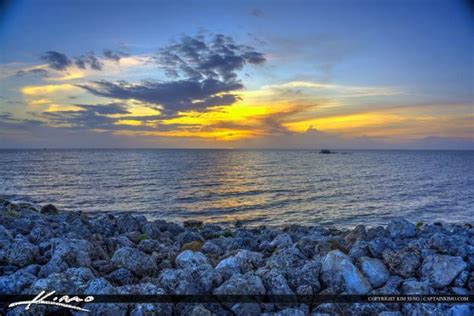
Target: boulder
[[71, 281], [21, 253], [134, 260], [401, 228], [402, 262], [188, 258], [275, 283], [338, 273], [242, 284], [441, 270], [414, 287], [49, 209], [374, 270], [306, 275]]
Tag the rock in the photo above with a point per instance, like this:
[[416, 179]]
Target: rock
[[192, 223], [401, 228], [200, 311], [378, 245], [17, 282], [339, 273], [134, 260], [390, 288], [275, 283], [122, 277], [441, 270], [21, 253], [189, 258], [374, 270], [359, 249], [187, 237], [402, 262], [49, 209], [290, 312], [5, 234], [127, 223], [359, 233], [148, 245], [460, 310], [67, 253], [193, 246], [282, 241], [238, 284], [461, 279], [250, 309], [470, 282], [71, 281], [244, 261], [306, 275], [414, 287], [191, 280], [285, 259], [390, 313], [211, 248]]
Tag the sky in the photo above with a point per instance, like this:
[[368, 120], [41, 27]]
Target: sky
[[393, 74]]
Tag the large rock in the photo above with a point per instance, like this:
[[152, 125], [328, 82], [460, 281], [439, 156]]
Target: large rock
[[190, 258], [275, 283], [414, 287], [71, 281], [401, 228], [338, 273], [238, 284], [134, 260], [441, 270], [374, 270], [17, 282], [21, 253], [304, 276], [402, 262], [244, 261], [191, 280], [286, 258]]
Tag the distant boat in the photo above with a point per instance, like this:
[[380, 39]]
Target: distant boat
[[325, 151]]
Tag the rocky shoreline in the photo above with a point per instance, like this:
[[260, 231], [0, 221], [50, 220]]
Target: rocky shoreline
[[82, 253]]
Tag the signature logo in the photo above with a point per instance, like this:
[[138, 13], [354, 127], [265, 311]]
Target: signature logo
[[63, 301]]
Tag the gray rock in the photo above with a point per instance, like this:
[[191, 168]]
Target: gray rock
[[338, 273], [460, 310], [290, 312], [402, 262], [71, 281], [134, 260], [244, 261], [378, 245], [21, 253], [359, 233], [461, 279], [401, 228], [281, 241], [391, 287], [49, 209], [306, 275], [5, 234], [441, 270], [211, 248], [247, 309], [200, 310], [190, 258], [414, 287], [148, 245], [192, 280], [121, 276], [285, 259], [17, 282], [374, 270], [275, 283], [238, 284]]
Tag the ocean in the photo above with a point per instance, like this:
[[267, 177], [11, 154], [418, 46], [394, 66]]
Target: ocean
[[258, 187]]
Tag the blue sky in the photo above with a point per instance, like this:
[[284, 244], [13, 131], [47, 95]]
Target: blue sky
[[321, 57]]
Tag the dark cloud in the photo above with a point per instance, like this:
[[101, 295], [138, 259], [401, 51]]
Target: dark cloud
[[114, 55], [203, 72], [34, 72], [88, 60], [257, 12], [8, 121], [199, 57], [172, 96], [90, 117], [57, 60]]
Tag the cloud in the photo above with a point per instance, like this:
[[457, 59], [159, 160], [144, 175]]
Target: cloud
[[35, 72], [88, 60], [59, 61], [203, 74], [89, 117], [114, 55], [199, 57]]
